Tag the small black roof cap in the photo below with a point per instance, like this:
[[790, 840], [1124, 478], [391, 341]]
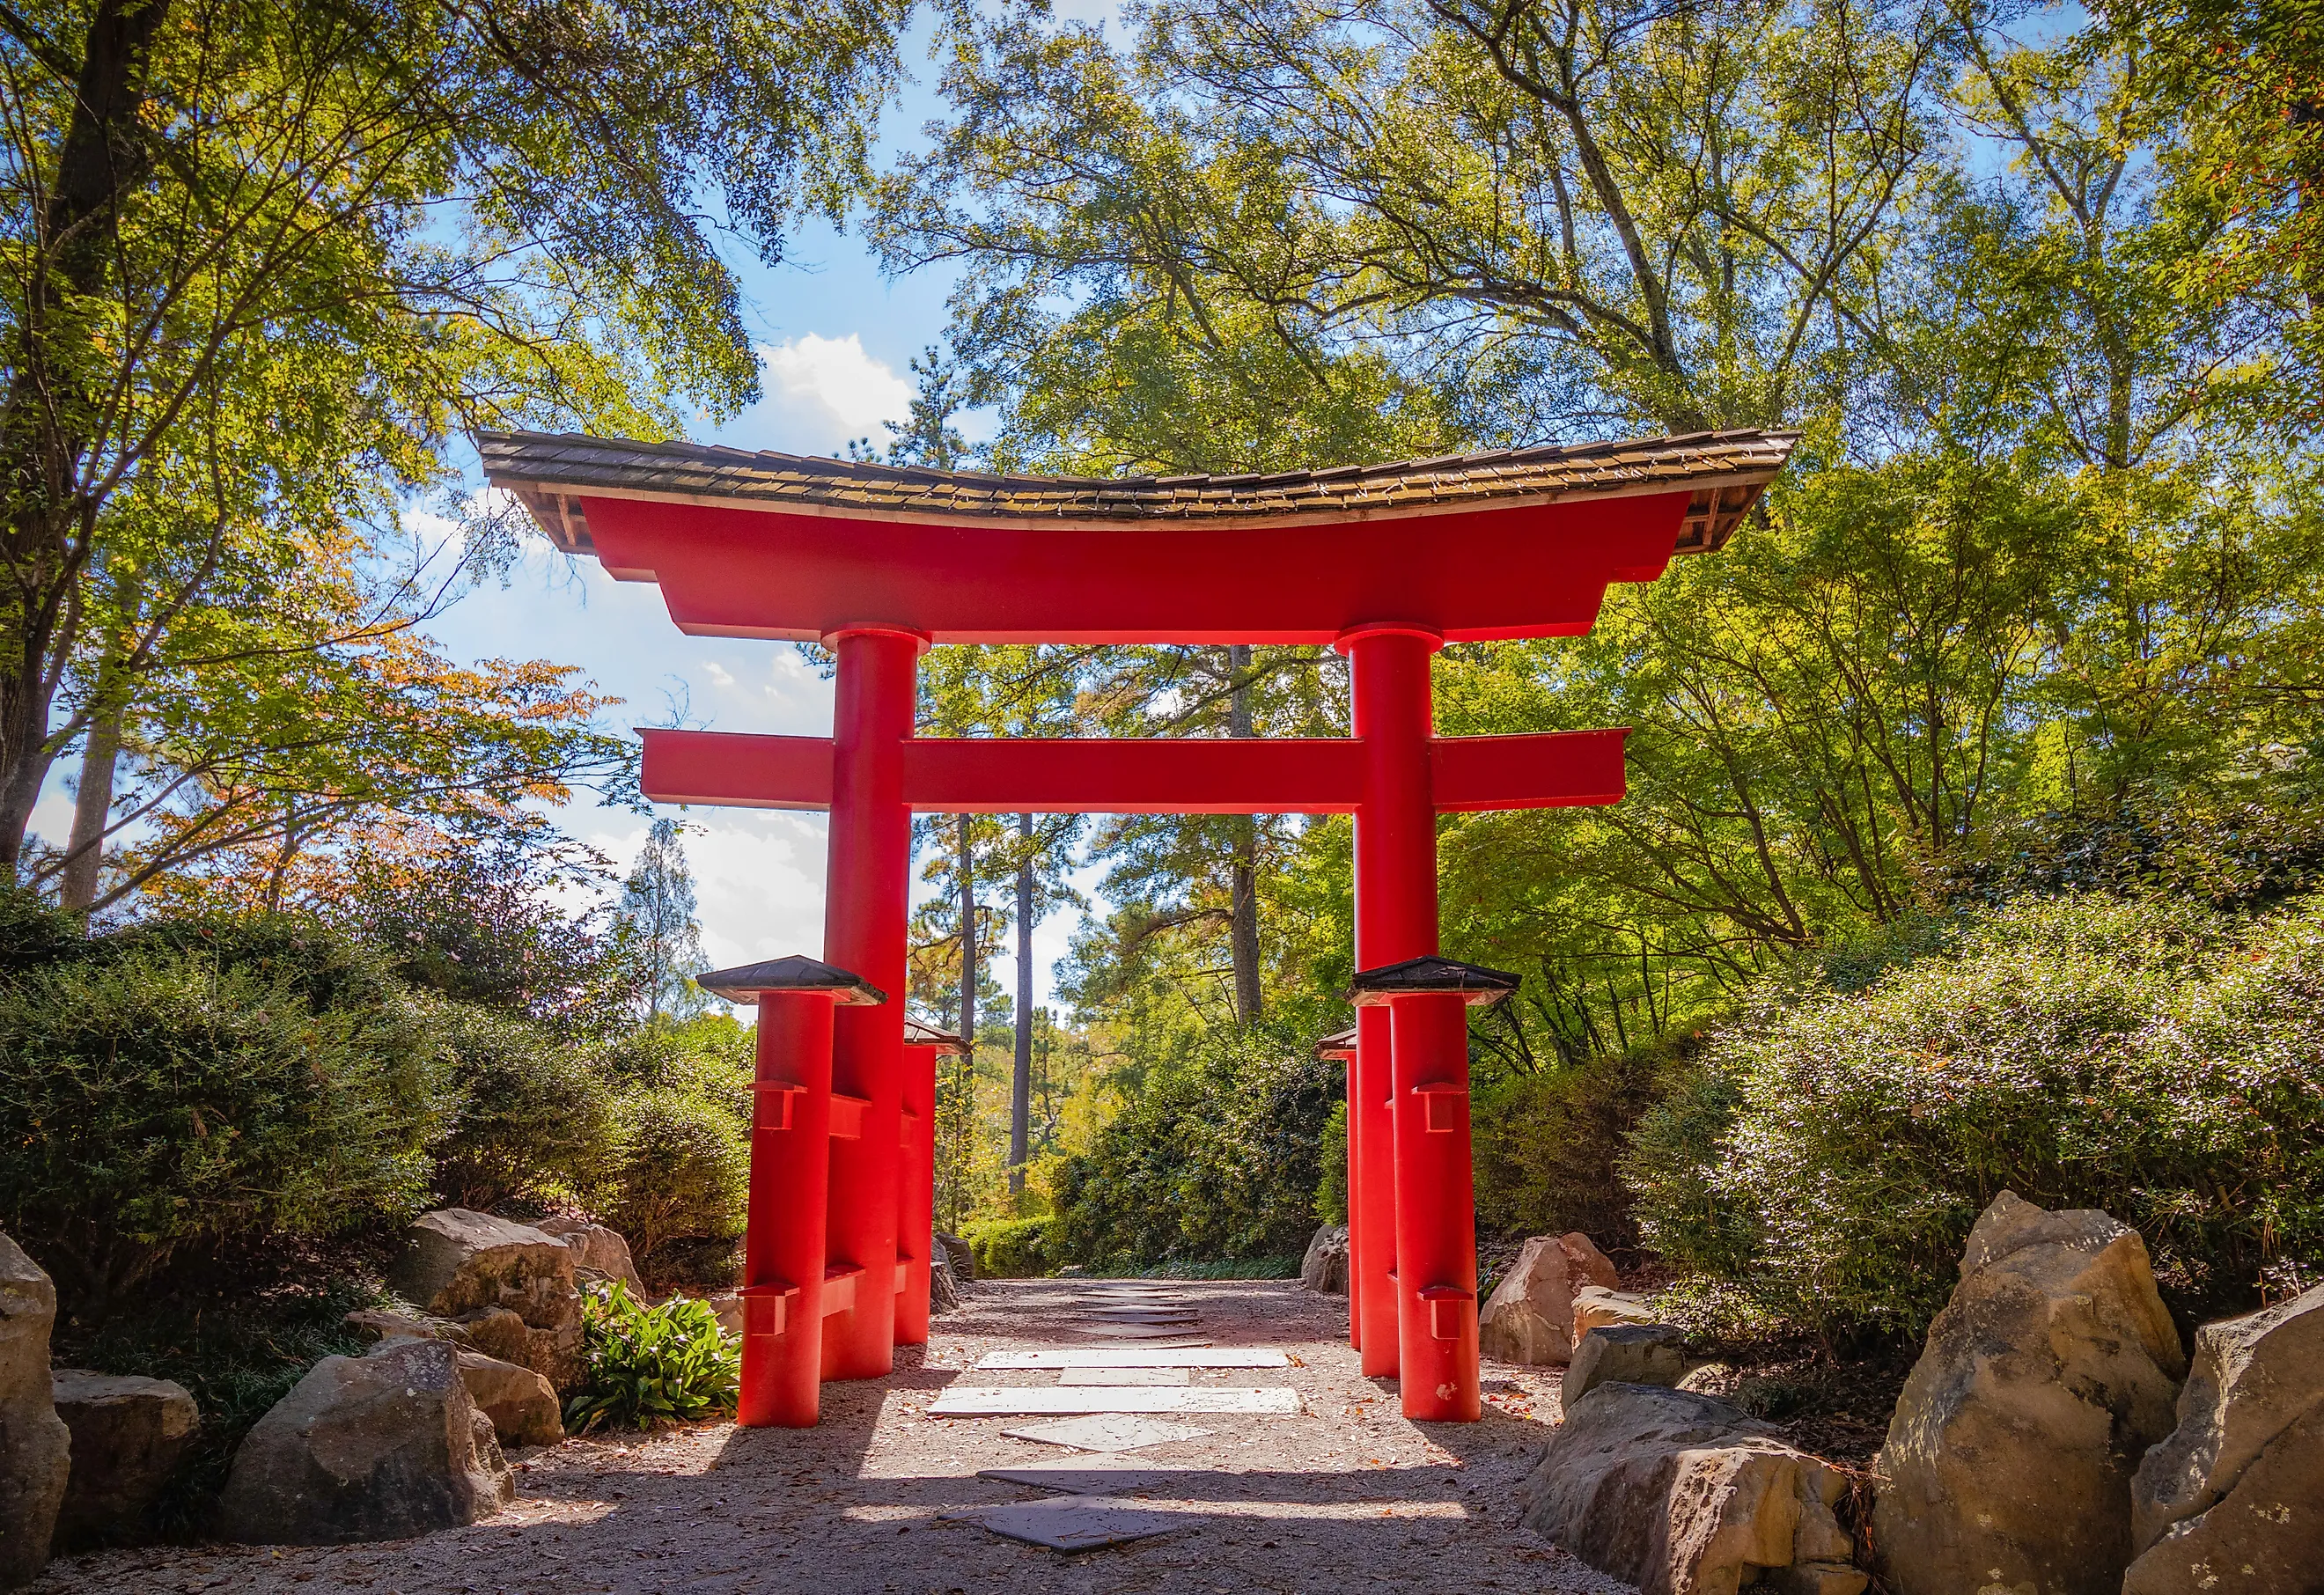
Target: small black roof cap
[[795, 973], [917, 1034], [1431, 975]]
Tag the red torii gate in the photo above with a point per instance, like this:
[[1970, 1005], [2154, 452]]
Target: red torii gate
[[1385, 563]]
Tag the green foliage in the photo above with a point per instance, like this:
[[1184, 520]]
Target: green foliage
[[534, 1124], [1216, 1159], [1546, 1144], [159, 1097], [644, 1367], [1009, 1248], [1331, 1185], [2148, 1057], [681, 1175]]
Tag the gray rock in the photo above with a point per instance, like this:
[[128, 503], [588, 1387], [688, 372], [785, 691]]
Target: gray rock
[[963, 1260], [1683, 1495], [1597, 1307], [2233, 1499], [520, 1404], [34, 1446], [944, 1285], [128, 1435], [1627, 1354], [2044, 1379], [375, 1324], [463, 1266], [382, 1447], [1529, 1316], [598, 1253], [1324, 1269]]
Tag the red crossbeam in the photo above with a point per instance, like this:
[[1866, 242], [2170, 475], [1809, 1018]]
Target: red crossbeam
[[1320, 775]]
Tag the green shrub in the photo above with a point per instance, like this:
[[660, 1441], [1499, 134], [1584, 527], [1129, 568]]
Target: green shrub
[[1008, 1248], [1218, 1160], [534, 1122], [2148, 1057], [1546, 1144], [681, 1175], [642, 1366], [1331, 1188], [160, 1098]]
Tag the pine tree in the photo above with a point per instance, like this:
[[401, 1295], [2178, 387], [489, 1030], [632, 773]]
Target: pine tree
[[657, 906]]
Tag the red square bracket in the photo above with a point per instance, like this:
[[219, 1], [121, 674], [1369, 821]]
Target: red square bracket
[[847, 1117], [776, 1099], [1447, 1312], [766, 1308], [1447, 1103]]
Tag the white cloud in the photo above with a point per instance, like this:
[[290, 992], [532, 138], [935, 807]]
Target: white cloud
[[822, 391], [719, 673], [758, 880]]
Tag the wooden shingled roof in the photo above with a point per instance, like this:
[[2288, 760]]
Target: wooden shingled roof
[[553, 474]]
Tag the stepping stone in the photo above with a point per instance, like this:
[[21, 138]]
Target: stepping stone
[[1204, 1356], [1076, 1523], [1096, 1475], [994, 1401], [1139, 1315], [1150, 1377], [1109, 1431], [1141, 1331]]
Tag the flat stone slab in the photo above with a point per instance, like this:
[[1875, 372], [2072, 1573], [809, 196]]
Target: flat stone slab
[[1094, 1475], [1138, 1357], [991, 1401], [1074, 1522], [1138, 1332], [1074, 1377], [1111, 1432], [1139, 1315]]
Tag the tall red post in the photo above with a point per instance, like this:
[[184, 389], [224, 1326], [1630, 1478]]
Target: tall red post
[[783, 1247], [1436, 1215], [1355, 1204], [916, 1186], [1396, 919], [866, 905]]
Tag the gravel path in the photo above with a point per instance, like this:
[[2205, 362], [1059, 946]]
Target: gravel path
[[1345, 1496]]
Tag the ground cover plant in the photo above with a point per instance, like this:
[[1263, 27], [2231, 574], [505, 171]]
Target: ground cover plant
[[645, 1365]]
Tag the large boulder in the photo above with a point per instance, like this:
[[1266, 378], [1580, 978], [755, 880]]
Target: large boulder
[[129, 1433], [2044, 1381], [598, 1253], [468, 1266], [1624, 1353], [520, 1404], [382, 1447], [1529, 1318], [963, 1260], [34, 1447], [1324, 1269], [1681, 1494], [1597, 1307], [944, 1285], [2233, 1499]]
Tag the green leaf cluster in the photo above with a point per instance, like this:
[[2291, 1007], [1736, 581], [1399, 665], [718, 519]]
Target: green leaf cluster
[[646, 1367]]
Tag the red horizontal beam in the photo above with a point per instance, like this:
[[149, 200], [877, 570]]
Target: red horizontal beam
[[1321, 774], [1511, 570]]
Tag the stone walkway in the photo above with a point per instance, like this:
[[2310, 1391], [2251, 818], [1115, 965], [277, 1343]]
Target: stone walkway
[[1339, 1496]]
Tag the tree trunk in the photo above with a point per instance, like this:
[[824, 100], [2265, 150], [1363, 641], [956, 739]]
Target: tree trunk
[[1242, 907], [967, 867], [92, 809], [1020, 1081], [45, 418]]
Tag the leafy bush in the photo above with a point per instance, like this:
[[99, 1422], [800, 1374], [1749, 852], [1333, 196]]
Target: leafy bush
[[162, 1097], [2149, 1058], [681, 1174], [642, 1366], [1546, 1144], [534, 1122], [1217, 1160], [1008, 1248], [1332, 1188]]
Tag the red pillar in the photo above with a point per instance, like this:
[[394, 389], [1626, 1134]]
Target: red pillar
[[783, 1248], [916, 1195], [1436, 1215], [866, 903], [1355, 1203], [1396, 919]]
